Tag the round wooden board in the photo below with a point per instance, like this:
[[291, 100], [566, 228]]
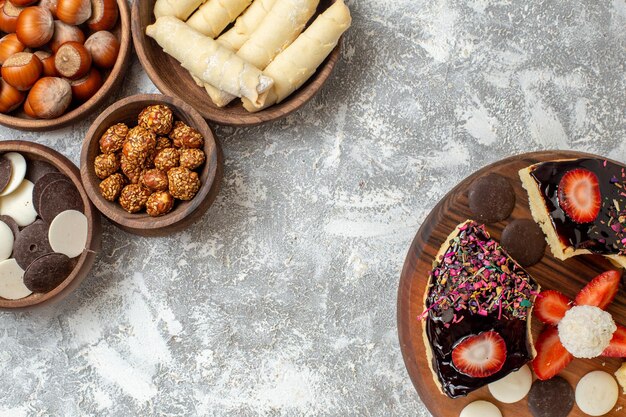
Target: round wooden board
[[568, 277]]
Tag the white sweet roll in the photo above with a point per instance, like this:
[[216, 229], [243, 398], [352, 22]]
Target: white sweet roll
[[214, 15], [246, 24], [295, 65], [209, 61], [181, 9], [281, 26]]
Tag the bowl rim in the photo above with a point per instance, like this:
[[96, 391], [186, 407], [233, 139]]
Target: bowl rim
[[222, 115], [141, 223], [87, 258], [113, 80]]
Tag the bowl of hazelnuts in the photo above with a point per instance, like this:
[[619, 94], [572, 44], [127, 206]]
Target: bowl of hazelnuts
[[60, 59], [151, 165]]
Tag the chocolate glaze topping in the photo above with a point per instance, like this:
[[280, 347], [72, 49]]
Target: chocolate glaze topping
[[607, 234], [476, 287]]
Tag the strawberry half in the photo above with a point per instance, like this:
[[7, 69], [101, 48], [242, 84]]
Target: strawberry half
[[600, 291], [551, 357], [579, 195], [551, 306], [481, 355], [617, 347]]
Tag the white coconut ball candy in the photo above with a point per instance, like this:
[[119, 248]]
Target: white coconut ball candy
[[18, 165], [19, 204], [513, 387], [68, 233], [480, 409], [12, 281], [6, 241], [597, 393]]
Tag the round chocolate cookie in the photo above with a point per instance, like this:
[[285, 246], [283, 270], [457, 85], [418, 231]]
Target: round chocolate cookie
[[58, 197], [491, 198], [42, 183], [31, 243], [6, 170], [47, 272], [551, 398], [523, 239], [15, 228], [37, 169]]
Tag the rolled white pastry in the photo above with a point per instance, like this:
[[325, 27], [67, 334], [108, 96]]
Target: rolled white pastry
[[181, 9], [206, 59], [246, 24], [295, 65], [281, 26], [214, 15]]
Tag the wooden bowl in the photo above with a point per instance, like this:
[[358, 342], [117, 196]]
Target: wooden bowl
[[34, 151], [19, 120], [568, 277], [185, 212], [173, 80]]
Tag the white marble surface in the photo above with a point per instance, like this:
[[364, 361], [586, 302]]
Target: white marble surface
[[282, 300]]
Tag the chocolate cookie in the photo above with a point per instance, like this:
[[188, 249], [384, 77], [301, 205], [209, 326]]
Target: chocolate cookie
[[42, 183], [491, 198], [15, 228], [551, 398], [58, 197], [47, 272], [37, 169], [523, 239], [31, 243], [6, 170]]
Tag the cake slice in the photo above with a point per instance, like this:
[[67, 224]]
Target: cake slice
[[477, 310], [580, 205]]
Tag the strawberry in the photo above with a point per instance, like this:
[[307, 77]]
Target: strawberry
[[551, 357], [551, 306], [600, 291], [617, 347], [481, 355], [579, 195]]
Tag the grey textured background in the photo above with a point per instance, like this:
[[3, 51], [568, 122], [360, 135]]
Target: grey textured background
[[281, 301]]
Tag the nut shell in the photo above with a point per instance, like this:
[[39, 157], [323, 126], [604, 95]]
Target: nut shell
[[50, 97], [22, 70], [184, 184], [154, 180], [72, 60], [104, 48], [106, 164], [185, 136], [113, 139], [9, 45], [104, 14], [167, 159], [35, 26], [192, 158], [65, 33], [111, 187], [10, 97], [157, 118], [73, 12], [159, 204], [134, 198]]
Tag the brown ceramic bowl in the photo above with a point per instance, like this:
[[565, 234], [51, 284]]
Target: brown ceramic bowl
[[173, 80], [185, 212], [112, 80], [33, 151]]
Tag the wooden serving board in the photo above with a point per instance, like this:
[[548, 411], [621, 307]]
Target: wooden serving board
[[568, 277]]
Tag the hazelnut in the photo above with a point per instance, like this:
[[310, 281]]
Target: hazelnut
[[166, 159], [157, 118], [184, 184], [113, 139], [185, 136], [134, 198], [191, 158], [139, 144], [154, 180], [111, 187], [131, 169], [159, 203], [106, 164]]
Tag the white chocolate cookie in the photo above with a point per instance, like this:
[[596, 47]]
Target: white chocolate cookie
[[513, 387], [480, 409], [597, 393]]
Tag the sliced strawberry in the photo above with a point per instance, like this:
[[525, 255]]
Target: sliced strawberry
[[551, 357], [600, 291], [481, 355], [579, 195], [551, 306], [617, 347]]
